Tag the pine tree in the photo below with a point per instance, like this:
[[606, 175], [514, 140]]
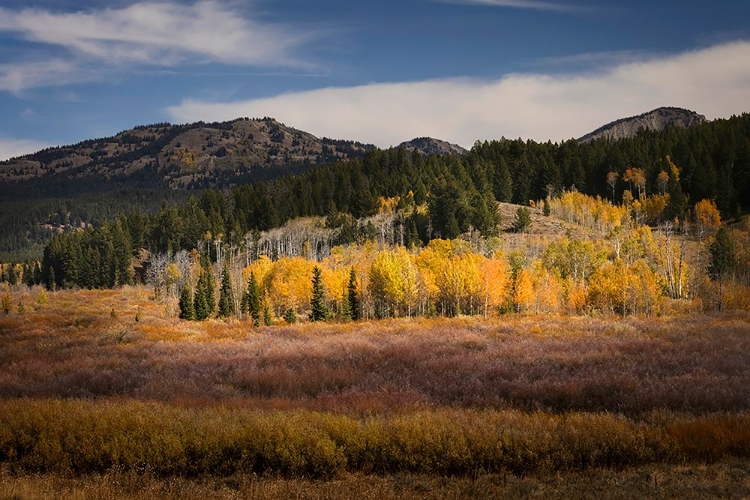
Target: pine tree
[[522, 222], [7, 302], [187, 308], [12, 276], [290, 316], [204, 301], [52, 283], [251, 300], [352, 296], [503, 182], [200, 302], [722, 259], [226, 297], [267, 314], [319, 310], [210, 287]]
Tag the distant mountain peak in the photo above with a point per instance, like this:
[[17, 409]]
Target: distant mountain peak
[[657, 120], [428, 146], [194, 155]]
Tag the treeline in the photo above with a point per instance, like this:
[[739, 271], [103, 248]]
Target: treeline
[[713, 160], [709, 161], [625, 269]]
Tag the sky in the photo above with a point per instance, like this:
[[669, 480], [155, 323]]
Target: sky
[[379, 72]]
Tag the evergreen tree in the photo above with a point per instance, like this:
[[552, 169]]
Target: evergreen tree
[[352, 296], [123, 272], [51, 281], [722, 259], [290, 316], [251, 300], [12, 276], [522, 222], [187, 308], [503, 185], [267, 314], [28, 275], [319, 310], [226, 297], [204, 293]]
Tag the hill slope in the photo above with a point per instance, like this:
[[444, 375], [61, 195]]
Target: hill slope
[[657, 119], [428, 146], [185, 156]]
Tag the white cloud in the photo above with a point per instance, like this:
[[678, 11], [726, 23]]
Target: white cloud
[[12, 148], [517, 4], [144, 34], [713, 81], [15, 77]]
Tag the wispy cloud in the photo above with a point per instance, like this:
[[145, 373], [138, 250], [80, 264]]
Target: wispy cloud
[[606, 59], [15, 77], [518, 4], [712, 81], [145, 34], [12, 148]]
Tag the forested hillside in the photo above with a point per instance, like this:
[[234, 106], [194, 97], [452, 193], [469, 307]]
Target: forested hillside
[[713, 161], [652, 216]]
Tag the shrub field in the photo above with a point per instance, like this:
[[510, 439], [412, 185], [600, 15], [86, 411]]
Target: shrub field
[[103, 384]]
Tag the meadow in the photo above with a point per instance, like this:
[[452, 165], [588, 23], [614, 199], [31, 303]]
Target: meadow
[[98, 388]]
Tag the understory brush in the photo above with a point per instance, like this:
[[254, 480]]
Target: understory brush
[[84, 437]]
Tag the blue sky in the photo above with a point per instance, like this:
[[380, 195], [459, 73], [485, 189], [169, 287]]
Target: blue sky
[[379, 72]]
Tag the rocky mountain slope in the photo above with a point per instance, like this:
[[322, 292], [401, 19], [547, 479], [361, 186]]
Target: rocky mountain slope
[[185, 156], [428, 146], [657, 119]]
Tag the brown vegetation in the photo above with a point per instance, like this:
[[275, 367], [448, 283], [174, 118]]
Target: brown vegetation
[[87, 389], [73, 347]]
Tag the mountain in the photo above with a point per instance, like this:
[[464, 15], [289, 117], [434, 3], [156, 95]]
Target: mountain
[[428, 146], [657, 119], [195, 155]]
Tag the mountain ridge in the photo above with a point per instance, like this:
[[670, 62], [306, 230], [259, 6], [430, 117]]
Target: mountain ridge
[[657, 119], [195, 155]]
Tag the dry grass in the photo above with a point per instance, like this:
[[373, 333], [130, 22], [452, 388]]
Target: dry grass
[[72, 347], [85, 437], [720, 480], [95, 405]]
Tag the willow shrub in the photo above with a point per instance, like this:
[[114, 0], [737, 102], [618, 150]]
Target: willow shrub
[[90, 437]]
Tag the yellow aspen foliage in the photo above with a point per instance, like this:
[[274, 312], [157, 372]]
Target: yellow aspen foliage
[[288, 284], [523, 292], [654, 206], [495, 276], [607, 290], [644, 294], [638, 243], [393, 283], [589, 212], [662, 180], [460, 284], [547, 289], [260, 268], [430, 261], [620, 289], [574, 296], [707, 218], [335, 281], [575, 258], [637, 177], [670, 258]]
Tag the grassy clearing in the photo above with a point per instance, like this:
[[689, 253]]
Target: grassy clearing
[[729, 479], [95, 404], [73, 348]]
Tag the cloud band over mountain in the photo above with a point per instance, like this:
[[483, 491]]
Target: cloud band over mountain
[[713, 81]]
